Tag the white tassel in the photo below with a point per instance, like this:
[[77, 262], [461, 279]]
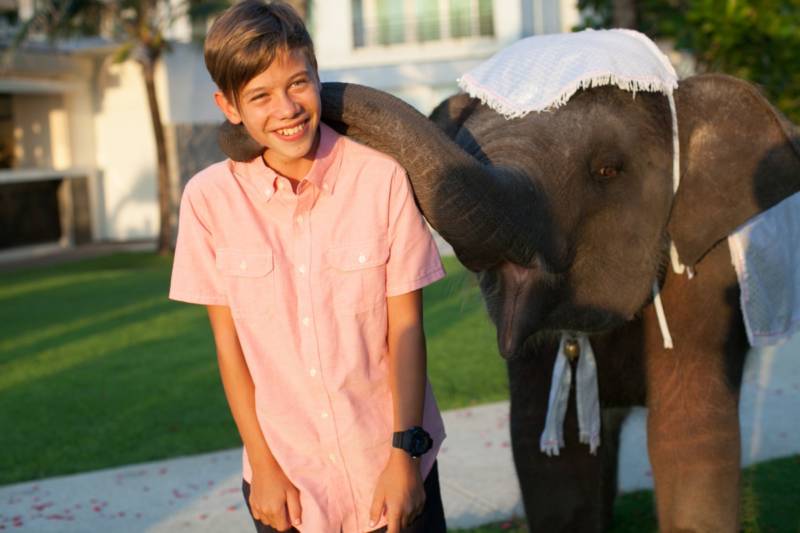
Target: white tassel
[[588, 400], [662, 318], [677, 267], [552, 438], [586, 394]]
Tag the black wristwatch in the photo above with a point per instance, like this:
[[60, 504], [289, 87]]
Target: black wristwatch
[[415, 441]]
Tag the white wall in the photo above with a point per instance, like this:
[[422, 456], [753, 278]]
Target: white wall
[[189, 90], [125, 155], [33, 147]]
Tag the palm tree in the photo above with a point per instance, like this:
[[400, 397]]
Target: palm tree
[[137, 28]]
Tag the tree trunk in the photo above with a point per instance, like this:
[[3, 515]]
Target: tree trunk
[[164, 189], [624, 13]]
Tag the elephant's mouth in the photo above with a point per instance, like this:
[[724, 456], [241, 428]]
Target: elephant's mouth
[[590, 321]]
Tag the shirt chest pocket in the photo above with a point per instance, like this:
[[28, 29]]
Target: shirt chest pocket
[[249, 281], [358, 275]]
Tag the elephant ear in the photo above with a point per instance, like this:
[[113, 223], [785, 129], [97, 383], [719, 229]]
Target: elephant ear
[[451, 113], [739, 157]]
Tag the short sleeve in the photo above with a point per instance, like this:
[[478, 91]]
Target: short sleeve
[[195, 278], [414, 260]]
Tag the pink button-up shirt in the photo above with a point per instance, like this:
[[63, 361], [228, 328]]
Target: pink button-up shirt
[[306, 276]]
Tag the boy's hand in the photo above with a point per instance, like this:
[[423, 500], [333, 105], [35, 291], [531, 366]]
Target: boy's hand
[[399, 492], [274, 500]]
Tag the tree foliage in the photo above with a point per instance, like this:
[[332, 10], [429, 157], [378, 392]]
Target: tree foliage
[[758, 40]]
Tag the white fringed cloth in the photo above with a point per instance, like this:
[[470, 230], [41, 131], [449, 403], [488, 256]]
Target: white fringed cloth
[[541, 74]]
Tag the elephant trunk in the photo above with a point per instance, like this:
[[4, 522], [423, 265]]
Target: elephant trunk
[[467, 202]]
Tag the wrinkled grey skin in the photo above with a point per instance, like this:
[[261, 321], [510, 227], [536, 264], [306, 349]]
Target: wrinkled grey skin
[[566, 217]]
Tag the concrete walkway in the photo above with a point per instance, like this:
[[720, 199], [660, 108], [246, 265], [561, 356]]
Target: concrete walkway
[[202, 493]]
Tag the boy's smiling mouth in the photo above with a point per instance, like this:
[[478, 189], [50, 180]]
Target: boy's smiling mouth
[[293, 132]]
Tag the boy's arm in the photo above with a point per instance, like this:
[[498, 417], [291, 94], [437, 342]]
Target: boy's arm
[[400, 489], [272, 495]]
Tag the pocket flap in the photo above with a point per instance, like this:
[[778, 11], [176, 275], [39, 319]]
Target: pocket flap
[[244, 263], [357, 256]]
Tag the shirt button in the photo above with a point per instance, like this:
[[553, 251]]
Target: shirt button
[[324, 414], [362, 259], [268, 192], [332, 457], [306, 321], [300, 220], [301, 269], [243, 265], [325, 186], [313, 372]]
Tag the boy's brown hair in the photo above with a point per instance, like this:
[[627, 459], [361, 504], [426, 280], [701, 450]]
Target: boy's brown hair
[[247, 38]]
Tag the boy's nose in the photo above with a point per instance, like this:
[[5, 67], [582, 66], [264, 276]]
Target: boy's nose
[[286, 107]]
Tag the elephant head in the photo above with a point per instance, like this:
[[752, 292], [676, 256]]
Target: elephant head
[[567, 215]]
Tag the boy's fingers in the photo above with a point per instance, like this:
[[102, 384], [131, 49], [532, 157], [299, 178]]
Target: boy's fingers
[[393, 524], [376, 508], [293, 506]]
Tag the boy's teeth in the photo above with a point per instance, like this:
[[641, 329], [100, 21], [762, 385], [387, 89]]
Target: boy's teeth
[[290, 131]]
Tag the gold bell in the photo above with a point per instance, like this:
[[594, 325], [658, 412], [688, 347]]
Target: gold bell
[[572, 349]]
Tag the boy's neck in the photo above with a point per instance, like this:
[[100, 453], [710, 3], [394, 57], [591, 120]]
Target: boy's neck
[[293, 169]]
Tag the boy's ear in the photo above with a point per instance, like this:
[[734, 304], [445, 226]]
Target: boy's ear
[[228, 109]]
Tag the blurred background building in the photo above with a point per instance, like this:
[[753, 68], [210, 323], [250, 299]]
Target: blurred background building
[[78, 157]]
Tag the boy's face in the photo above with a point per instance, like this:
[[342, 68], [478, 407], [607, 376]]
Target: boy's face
[[280, 108]]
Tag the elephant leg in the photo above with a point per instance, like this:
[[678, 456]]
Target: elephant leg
[[574, 491], [693, 390]]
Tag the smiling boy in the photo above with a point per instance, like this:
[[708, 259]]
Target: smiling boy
[[311, 259]]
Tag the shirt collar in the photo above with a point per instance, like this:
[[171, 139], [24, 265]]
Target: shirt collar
[[322, 174]]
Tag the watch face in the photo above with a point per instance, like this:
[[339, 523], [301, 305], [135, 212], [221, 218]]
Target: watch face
[[420, 443]]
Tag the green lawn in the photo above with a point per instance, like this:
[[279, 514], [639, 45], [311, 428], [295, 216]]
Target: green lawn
[[98, 368]]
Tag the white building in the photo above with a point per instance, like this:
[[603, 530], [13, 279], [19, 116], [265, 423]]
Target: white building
[[77, 155]]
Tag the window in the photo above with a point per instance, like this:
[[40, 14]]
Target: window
[[389, 22]]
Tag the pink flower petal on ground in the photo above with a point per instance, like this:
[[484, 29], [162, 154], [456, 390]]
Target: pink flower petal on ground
[[42, 506], [203, 516], [233, 507]]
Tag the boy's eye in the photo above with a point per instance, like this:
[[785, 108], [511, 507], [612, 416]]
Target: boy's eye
[[257, 97], [299, 83]]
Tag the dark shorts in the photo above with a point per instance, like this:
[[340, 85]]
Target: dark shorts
[[431, 520]]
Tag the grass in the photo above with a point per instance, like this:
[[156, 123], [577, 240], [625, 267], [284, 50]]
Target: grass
[[98, 368]]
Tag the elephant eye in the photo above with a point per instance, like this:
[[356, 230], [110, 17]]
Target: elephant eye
[[607, 172]]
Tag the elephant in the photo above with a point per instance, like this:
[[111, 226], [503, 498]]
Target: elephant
[[566, 218]]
